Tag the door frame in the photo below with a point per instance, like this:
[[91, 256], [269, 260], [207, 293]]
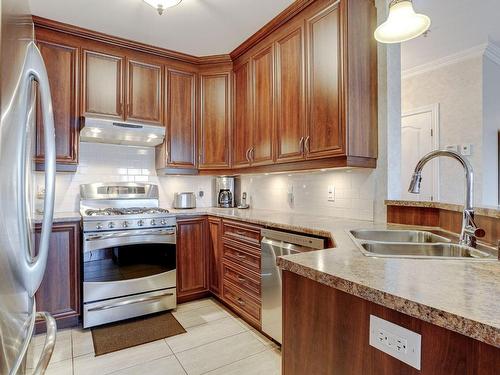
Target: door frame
[[434, 109]]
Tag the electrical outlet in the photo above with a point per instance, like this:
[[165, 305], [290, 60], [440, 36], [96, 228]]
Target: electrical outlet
[[396, 341], [331, 193], [466, 149]]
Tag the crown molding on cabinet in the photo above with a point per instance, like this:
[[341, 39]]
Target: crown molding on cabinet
[[295, 8], [125, 43]]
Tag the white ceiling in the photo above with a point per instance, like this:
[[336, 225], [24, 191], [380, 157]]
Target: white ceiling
[[196, 27], [457, 25]]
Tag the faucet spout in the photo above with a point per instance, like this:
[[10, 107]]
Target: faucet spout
[[467, 236]]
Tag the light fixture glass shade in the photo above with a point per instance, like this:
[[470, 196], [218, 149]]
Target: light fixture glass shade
[[161, 5], [402, 24]]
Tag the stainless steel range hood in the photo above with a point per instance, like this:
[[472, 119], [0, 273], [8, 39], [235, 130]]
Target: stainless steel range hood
[[122, 133]]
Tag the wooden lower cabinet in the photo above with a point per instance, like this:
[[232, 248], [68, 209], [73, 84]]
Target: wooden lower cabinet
[[326, 331], [192, 280], [59, 293], [214, 255], [241, 256]]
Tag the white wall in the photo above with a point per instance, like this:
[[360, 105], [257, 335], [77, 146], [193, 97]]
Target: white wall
[[491, 127], [458, 90]]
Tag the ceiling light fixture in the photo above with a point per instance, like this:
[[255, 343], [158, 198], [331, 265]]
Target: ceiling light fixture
[[402, 24], [161, 5]]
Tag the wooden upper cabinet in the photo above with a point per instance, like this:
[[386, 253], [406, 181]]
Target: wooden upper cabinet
[[191, 256], [102, 85], [180, 119], [144, 92], [325, 129], [263, 110], [242, 126], [62, 64], [290, 99], [214, 133]]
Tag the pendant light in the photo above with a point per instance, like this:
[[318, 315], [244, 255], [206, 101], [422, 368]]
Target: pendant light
[[161, 5], [402, 24]]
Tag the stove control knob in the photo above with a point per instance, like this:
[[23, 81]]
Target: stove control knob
[[140, 223], [111, 225], [125, 224], [163, 222], [98, 226], [153, 222]]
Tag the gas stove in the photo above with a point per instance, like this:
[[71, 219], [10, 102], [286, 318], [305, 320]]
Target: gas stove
[[122, 206], [110, 211], [129, 252]]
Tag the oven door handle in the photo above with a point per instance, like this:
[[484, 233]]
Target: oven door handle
[[130, 234], [131, 302]]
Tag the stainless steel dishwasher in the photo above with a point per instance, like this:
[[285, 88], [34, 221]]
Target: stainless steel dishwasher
[[274, 244]]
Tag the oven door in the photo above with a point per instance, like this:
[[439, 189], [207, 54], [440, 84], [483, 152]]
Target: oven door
[[128, 262]]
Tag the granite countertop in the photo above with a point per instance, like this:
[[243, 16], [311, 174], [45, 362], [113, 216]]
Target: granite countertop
[[462, 296], [491, 211]]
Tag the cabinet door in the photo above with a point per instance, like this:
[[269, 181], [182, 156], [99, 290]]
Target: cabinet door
[[325, 130], [263, 98], [102, 85], [144, 92], [191, 257], [290, 127], [242, 127], [59, 293], [180, 119], [61, 62], [215, 255], [214, 121]]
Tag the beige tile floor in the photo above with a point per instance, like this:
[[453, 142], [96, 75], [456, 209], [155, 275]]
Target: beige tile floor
[[216, 343]]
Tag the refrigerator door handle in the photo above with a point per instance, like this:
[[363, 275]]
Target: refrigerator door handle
[[36, 71], [50, 342]]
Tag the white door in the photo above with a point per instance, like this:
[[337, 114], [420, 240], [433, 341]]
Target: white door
[[420, 135]]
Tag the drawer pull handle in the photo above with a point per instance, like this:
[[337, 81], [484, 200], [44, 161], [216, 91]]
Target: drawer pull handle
[[240, 301], [241, 279], [240, 256], [240, 233]]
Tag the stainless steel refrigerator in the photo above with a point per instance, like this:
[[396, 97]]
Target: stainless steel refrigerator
[[23, 79]]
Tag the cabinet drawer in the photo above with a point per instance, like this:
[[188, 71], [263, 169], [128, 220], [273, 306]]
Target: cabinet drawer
[[243, 303], [241, 232], [241, 255], [246, 280]]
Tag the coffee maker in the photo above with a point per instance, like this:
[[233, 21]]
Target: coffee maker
[[225, 192]]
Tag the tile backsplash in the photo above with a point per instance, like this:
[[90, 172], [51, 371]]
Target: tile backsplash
[[303, 192], [298, 192]]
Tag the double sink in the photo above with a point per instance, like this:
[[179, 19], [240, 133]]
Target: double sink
[[402, 243]]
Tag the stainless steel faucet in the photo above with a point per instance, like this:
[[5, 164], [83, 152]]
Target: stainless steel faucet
[[470, 232]]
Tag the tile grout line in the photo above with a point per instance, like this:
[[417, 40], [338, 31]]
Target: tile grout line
[[211, 342], [200, 324], [177, 359], [241, 359]]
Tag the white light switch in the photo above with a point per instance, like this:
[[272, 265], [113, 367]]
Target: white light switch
[[396, 341]]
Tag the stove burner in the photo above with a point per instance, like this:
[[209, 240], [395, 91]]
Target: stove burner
[[126, 211]]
